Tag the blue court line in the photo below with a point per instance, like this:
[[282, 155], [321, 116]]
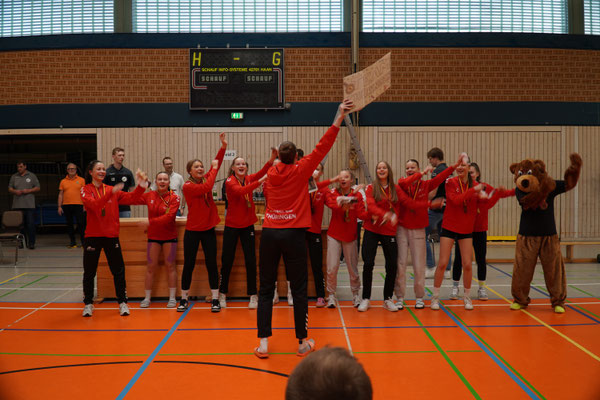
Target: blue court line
[[150, 358], [510, 373], [547, 295]]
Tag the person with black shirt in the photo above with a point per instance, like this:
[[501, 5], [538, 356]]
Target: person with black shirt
[[436, 159], [117, 173]]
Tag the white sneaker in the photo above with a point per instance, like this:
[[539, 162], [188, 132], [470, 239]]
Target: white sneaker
[[364, 305], [389, 305], [253, 304], [482, 293], [355, 300], [88, 310], [400, 303], [123, 309], [429, 272], [222, 300], [172, 303], [276, 296], [435, 303], [419, 304], [454, 293], [468, 303], [331, 301], [290, 299], [145, 303], [447, 274]]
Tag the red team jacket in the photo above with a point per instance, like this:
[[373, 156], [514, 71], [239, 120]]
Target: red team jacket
[[288, 203], [342, 227], [202, 211], [239, 213], [483, 206], [162, 211], [461, 207], [317, 206], [417, 189], [97, 199]]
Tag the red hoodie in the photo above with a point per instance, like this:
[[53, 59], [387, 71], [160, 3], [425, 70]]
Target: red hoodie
[[97, 199], [483, 206], [317, 206], [461, 207], [288, 202], [202, 211], [342, 225], [241, 212], [416, 189], [162, 211]]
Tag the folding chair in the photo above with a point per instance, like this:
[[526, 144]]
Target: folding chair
[[12, 222]]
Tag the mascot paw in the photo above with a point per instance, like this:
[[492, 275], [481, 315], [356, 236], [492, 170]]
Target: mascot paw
[[516, 306], [559, 310]]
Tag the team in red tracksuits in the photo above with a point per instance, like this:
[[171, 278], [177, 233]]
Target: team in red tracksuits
[[101, 203], [459, 217], [239, 223], [163, 205], [287, 216], [200, 227], [411, 230], [480, 228]]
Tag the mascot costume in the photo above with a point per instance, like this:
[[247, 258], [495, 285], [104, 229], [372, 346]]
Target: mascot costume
[[537, 230]]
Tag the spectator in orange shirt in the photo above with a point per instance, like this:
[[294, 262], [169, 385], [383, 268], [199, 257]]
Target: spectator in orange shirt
[[70, 204]]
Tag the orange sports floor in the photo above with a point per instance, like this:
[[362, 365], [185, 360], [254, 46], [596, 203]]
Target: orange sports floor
[[48, 351]]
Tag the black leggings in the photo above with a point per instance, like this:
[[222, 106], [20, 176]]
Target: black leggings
[[92, 247], [314, 241], [191, 241], [390, 252], [230, 239], [289, 243], [480, 247]]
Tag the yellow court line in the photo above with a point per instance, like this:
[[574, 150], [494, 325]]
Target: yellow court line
[[580, 347], [14, 277]]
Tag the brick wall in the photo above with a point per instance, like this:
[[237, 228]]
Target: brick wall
[[311, 75]]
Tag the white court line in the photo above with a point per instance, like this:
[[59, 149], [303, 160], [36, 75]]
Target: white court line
[[40, 289], [344, 328]]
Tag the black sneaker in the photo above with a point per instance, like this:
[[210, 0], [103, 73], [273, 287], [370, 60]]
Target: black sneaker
[[215, 306], [183, 305]]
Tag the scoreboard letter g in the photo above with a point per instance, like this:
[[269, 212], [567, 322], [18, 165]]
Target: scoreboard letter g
[[276, 58]]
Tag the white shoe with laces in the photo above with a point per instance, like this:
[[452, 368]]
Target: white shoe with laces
[[331, 303], [482, 293], [468, 303], [253, 304], [400, 303], [435, 303], [364, 305], [145, 303], [454, 293], [123, 309], [355, 300], [172, 303], [223, 300], [88, 310], [419, 304], [389, 305]]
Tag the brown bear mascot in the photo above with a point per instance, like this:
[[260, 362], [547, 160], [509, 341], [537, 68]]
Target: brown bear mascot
[[537, 230]]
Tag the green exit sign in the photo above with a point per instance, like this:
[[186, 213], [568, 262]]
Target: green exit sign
[[237, 115]]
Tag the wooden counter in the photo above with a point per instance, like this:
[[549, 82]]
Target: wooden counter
[[134, 245]]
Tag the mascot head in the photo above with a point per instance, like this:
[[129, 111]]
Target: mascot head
[[531, 178]]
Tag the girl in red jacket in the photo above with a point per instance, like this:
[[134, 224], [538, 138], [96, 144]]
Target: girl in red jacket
[[479, 235], [200, 227], [411, 229], [384, 200], [162, 204], [342, 235], [101, 203], [239, 223], [457, 226]]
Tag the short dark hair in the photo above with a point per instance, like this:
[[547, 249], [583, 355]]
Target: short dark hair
[[89, 169], [412, 160], [21, 162], [287, 152], [436, 152], [330, 373], [117, 149], [300, 153], [166, 158]]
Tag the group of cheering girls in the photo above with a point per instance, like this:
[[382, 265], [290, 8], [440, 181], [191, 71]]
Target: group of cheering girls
[[394, 214]]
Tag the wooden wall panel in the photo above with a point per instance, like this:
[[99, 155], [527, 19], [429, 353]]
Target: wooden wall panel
[[493, 148]]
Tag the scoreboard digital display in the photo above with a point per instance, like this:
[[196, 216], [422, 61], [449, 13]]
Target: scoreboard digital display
[[225, 79]]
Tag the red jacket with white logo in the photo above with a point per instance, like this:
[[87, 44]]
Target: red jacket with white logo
[[416, 189], [241, 212], [317, 206], [288, 202], [162, 211], [202, 211], [342, 225], [461, 207], [97, 199]]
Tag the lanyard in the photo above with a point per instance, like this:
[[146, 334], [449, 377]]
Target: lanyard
[[246, 196], [191, 179], [461, 192], [387, 198], [166, 202], [103, 212]]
